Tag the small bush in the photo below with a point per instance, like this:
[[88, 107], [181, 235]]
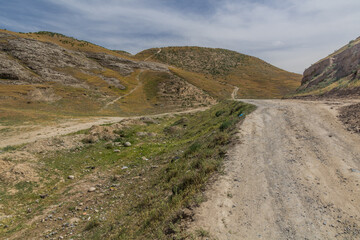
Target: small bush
[[219, 113], [193, 148], [9, 148], [91, 225], [225, 125]]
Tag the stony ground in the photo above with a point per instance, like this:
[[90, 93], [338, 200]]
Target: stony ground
[[350, 116], [295, 174]]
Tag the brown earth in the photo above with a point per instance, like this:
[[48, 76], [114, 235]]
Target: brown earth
[[294, 174], [350, 116]]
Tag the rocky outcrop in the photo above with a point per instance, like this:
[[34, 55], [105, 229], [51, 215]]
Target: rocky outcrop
[[124, 66], [176, 91], [32, 61], [341, 70]]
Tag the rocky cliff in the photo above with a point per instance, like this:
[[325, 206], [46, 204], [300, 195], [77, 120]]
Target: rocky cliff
[[336, 75]]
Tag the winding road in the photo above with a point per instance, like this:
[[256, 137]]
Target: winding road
[[294, 174]]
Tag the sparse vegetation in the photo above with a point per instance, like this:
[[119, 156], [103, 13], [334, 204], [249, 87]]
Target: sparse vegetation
[[140, 190], [217, 71]]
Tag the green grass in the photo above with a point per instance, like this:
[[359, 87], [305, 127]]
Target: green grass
[[142, 201]]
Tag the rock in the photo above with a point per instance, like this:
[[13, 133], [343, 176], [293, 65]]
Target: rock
[[71, 177], [116, 150], [182, 121], [187, 213], [172, 129], [342, 64], [127, 144], [43, 196], [141, 134], [74, 220], [149, 120], [92, 189], [91, 139], [124, 167], [145, 159]]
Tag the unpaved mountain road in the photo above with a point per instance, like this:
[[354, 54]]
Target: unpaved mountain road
[[293, 175]]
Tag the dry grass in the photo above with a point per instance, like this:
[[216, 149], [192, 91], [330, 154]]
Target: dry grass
[[217, 71], [209, 84]]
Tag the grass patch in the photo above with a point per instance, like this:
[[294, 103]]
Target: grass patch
[[140, 190]]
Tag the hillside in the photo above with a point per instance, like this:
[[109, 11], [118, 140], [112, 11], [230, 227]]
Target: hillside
[[334, 76], [217, 71], [50, 76]]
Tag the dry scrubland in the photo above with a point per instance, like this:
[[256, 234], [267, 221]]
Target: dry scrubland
[[136, 179]]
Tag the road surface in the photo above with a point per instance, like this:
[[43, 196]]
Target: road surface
[[294, 174]]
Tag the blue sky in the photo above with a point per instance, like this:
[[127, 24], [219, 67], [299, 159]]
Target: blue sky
[[290, 34]]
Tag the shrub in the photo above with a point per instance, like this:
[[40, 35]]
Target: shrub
[[219, 113], [91, 225], [193, 148], [225, 125]]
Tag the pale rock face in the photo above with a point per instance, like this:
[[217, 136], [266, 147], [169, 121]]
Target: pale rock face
[[344, 64]]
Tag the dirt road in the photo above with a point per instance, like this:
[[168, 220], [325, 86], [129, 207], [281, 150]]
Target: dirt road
[[70, 126], [295, 175]]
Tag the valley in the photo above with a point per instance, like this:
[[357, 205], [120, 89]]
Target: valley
[[175, 143]]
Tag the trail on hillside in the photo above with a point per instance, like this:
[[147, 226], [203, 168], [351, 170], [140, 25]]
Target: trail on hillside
[[146, 59], [294, 174], [74, 125], [234, 93], [132, 90]]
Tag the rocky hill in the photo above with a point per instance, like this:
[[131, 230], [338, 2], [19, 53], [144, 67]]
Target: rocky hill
[[334, 76], [47, 75], [51, 75], [217, 71]]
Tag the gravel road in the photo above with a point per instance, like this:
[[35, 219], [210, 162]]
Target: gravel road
[[294, 174]]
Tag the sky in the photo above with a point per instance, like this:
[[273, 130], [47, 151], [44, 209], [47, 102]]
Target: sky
[[290, 34]]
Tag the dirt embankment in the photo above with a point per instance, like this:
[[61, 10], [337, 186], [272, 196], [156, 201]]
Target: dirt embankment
[[350, 116], [295, 175]]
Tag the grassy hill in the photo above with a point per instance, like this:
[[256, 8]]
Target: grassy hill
[[217, 71], [49, 76]]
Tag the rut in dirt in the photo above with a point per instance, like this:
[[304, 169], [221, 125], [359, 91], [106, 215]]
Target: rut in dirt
[[293, 175]]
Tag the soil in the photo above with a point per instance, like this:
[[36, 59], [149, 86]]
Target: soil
[[350, 116], [294, 174]]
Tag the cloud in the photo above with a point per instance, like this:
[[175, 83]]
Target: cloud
[[290, 34]]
